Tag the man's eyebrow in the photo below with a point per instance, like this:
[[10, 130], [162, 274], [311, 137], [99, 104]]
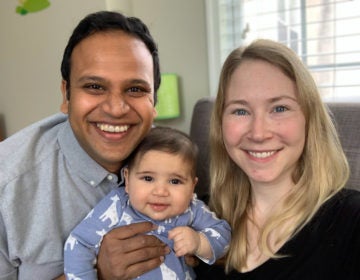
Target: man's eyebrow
[[91, 78], [137, 82], [101, 79]]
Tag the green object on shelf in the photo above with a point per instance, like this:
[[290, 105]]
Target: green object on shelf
[[168, 106]]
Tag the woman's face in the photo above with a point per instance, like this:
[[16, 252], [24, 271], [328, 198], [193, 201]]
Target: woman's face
[[263, 125]]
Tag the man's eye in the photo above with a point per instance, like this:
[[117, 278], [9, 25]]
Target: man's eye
[[137, 91], [94, 87], [134, 89]]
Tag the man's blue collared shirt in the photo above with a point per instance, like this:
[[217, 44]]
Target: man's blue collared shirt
[[48, 184]]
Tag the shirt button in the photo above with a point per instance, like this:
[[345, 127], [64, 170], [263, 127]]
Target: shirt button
[[109, 177], [92, 183]]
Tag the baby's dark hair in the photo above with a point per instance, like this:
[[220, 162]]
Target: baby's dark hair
[[167, 140]]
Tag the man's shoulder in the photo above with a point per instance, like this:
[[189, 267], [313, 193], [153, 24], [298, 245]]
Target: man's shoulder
[[35, 130], [29, 146]]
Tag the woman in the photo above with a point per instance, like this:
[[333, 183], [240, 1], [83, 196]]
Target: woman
[[278, 173]]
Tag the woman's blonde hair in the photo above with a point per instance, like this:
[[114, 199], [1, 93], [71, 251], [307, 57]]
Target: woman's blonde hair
[[322, 169]]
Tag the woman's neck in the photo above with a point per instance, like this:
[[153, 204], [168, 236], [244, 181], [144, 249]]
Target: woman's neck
[[266, 197], [265, 200]]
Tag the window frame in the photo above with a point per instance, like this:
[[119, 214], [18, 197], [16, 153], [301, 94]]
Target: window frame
[[215, 49]]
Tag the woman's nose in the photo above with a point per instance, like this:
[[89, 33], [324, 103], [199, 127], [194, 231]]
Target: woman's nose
[[260, 128]]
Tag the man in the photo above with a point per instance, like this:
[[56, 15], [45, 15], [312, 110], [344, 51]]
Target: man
[[54, 171]]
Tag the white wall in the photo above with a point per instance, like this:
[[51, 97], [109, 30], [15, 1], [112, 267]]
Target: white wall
[[179, 26], [32, 45]]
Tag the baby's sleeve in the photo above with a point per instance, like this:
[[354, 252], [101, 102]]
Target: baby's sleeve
[[82, 245], [217, 231]]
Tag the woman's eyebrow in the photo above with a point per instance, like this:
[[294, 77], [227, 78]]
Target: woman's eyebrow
[[281, 97]]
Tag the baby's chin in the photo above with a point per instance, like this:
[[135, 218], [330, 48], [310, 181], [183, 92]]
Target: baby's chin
[[159, 217]]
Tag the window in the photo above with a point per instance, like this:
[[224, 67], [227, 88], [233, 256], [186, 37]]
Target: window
[[324, 33]]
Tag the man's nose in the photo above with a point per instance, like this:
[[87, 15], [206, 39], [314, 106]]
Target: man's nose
[[116, 104]]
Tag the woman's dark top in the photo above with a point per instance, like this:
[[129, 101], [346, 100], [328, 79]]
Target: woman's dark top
[[326, 248]]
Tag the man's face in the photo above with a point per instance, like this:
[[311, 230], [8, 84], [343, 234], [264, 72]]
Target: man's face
[[111, 105]]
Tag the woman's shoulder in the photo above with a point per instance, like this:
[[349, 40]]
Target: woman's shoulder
[[344, 207], [349, 199]]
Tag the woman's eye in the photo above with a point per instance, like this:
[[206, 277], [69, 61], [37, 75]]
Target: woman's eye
[[280, 109], [240, 112]]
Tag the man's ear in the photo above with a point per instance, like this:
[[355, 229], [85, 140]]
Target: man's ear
[[64, 107]]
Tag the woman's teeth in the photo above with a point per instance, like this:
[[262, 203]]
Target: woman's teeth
[[262, 154]]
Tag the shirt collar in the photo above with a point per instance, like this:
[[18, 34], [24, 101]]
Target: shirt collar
[[80, 162]]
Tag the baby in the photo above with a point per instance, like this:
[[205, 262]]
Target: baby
[[159, 187]]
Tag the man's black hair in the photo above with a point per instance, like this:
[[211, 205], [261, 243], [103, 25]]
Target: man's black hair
[[110, 21]]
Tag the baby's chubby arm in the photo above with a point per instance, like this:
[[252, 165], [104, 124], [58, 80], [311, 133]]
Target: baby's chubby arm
[[188, 241]]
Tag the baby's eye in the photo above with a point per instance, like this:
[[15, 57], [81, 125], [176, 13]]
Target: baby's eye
[[148, 178], [279, 109], [175, 181]]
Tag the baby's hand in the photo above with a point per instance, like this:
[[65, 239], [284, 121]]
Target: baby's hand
[[186, 240]]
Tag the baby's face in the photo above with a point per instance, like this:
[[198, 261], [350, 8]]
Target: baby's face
[[160, 185]]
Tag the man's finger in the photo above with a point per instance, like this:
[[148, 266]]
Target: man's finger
[[127, 231], [140, 268]]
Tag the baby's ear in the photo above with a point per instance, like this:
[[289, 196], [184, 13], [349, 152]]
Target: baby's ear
[[126, 177], [196, 179]]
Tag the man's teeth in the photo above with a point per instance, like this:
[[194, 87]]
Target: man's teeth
[[112, 128], [262, 154]]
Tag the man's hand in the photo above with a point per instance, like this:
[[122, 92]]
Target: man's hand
[[126, 252]]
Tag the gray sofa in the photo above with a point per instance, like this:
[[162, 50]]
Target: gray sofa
[[347, 120]]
